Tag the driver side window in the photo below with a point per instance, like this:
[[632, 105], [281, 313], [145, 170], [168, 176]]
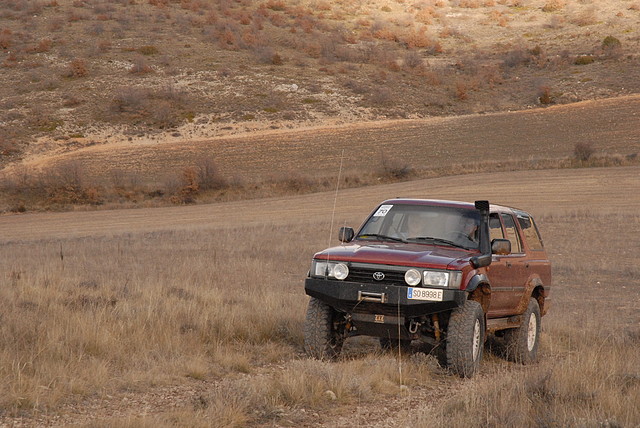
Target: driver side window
[[495, 227], [512, 233]]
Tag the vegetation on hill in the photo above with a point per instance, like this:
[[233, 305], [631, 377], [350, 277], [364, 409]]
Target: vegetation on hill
[[90, 71]]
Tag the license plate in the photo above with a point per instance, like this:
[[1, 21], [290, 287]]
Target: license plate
[[431, 294]]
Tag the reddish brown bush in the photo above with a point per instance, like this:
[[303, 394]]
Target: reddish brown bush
[[140, 66], [461, 90], [44, 45], [6, 38], [544, 95], [77, 68], [277, 5]]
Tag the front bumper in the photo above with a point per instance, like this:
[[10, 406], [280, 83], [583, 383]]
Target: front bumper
[[380, 310], [354, 297]]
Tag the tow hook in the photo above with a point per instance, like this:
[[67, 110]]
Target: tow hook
[[414, 326], [348, 325]]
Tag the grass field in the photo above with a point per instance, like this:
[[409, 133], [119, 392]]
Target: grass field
[[194, 314]]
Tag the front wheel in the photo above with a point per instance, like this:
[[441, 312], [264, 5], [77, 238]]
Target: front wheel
[[523, 341], [465, 339], [323, 330]]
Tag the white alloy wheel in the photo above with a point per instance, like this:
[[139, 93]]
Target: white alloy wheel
[[476, 339], [532, 332]]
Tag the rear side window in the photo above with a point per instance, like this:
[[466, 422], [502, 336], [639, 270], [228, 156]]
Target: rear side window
[[530, 232], [512, 233]]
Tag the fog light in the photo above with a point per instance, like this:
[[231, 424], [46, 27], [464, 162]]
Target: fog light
[[340, 271], [412, 277]]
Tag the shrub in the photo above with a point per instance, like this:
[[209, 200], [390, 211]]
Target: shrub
[[65, 184], [553, 5], [208, 175], [611, 47], [587, 17], [584, 60], [583, 151], [517, 57], [267, 55], [189, 188], [393, 169], [76, 68], [276, 5], [5, 38], [461, 90], [147, 50], [544, 95], [140, 66], [42, 46], [381, 96]]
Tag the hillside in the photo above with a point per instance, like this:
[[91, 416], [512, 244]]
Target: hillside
[[79, 73]]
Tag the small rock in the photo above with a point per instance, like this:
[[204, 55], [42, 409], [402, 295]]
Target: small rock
[[330, 395]]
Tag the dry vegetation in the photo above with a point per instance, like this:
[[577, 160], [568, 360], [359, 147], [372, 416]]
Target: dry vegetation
[[67, 185], [96, 71], [88, 321]]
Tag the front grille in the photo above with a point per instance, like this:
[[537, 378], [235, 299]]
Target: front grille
[[365, 276]]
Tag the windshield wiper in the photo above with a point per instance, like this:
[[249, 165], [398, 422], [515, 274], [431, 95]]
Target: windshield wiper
[[439, 241], [383, 237]]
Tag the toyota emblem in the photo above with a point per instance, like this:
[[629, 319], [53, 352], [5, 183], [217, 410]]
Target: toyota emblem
[[378, 276]]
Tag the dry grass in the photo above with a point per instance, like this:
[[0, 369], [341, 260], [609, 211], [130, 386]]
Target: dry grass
[[68, 185], [101, 314], [96, 316]]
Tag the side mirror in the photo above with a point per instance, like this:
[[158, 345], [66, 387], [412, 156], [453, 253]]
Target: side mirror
[[501, 247], [346, 234]]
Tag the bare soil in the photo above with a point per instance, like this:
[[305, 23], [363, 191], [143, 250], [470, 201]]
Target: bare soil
[[609, 126]]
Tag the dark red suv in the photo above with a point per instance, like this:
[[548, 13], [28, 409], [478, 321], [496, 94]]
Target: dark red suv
[[443, 272]]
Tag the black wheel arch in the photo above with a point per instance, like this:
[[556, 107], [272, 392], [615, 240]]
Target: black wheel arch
[[479, 289]]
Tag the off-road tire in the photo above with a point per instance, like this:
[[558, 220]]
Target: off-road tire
[[322, 338], [522, 342], [388, 344], [465, 339]]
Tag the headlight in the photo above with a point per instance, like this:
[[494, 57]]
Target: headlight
[[451, 279], [435, 278], [330, 269], [412, 277]]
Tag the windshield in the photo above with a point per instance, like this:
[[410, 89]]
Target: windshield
[[423, 224]]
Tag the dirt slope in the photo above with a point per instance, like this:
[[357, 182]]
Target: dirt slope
[[611, 126], [541, 192]]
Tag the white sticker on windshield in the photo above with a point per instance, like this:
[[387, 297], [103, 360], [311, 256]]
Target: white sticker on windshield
[[383, 210]]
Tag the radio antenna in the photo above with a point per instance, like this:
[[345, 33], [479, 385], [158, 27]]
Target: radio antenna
[[335, 199]]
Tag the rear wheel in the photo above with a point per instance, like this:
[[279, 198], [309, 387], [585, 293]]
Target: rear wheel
[[323, 330], [465, 339], [523, 342]]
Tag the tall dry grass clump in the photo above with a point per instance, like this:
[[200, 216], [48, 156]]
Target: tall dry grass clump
[[104, 313]]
